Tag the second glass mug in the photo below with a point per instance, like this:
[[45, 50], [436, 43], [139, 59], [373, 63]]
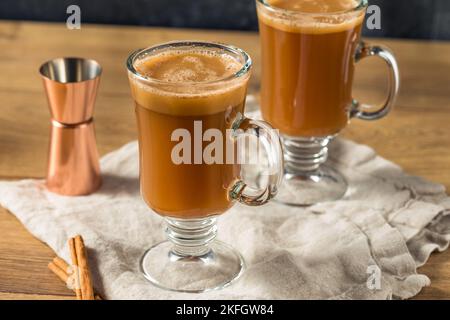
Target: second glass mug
[[190, 195], [308, 62]]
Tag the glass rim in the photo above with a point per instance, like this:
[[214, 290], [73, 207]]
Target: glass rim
[[246, 65], [361, 4]]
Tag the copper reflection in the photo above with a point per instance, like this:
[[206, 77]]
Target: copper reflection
[[71, 86]]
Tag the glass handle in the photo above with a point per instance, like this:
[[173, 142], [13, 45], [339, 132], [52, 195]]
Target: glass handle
[[270, 140], [364, 51]]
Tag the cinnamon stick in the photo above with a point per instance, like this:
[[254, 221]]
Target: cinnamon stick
[[61, 264], [58, 271], [60, 268], [64, 272], [74, 257], [87, 291]]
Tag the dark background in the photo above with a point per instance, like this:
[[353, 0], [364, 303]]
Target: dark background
[[420, 19]]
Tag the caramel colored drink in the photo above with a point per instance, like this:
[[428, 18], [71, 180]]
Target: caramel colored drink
[[308, 64], [186, 91]]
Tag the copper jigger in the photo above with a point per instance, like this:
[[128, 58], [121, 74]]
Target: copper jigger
[[71, 87]]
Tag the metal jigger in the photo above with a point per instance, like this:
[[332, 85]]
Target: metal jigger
[[71, 87]]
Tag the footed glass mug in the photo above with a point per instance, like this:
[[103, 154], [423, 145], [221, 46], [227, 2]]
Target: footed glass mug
[[190, 99], [309, 52]]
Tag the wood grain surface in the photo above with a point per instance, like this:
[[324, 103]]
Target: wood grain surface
[[416, 135]]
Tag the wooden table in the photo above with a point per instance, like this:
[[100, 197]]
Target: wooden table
[[416, 135]]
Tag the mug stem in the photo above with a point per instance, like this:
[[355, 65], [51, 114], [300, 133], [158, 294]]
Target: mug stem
[[307, 178], [303, 155], [191, 238]]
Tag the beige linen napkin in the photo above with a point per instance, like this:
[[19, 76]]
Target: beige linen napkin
[[365, 246]]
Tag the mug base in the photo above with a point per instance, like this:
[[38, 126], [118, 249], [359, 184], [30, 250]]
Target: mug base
[[214, 270], [305, 189]]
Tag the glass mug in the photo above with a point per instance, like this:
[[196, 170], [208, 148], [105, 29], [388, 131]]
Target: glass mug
[[190, 195], [309, 54]]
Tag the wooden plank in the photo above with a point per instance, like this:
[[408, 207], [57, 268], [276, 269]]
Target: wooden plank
[[417, 140], [438, 270], [25, 296], [23, 261], [423, 84], [24, 130]]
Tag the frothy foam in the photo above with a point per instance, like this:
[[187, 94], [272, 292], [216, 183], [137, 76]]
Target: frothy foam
[[320, 16], [191, 66], [194, 70], [315, 6]]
